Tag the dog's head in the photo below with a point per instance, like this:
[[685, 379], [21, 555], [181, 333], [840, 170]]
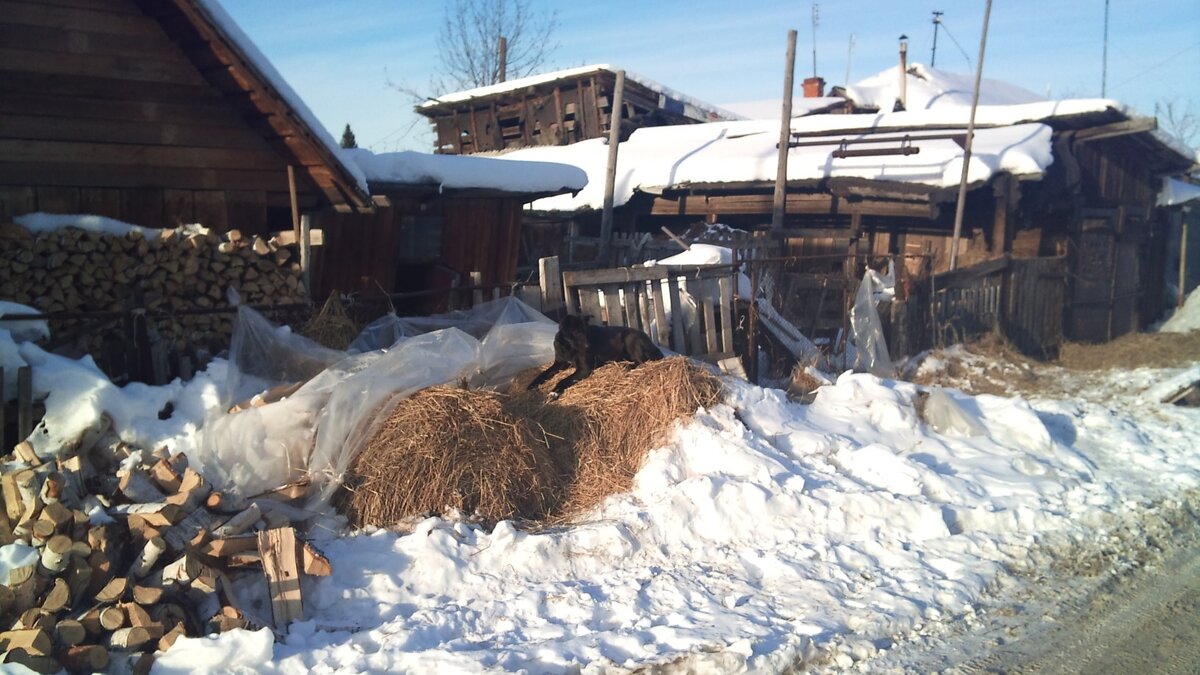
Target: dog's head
[[572, 323]]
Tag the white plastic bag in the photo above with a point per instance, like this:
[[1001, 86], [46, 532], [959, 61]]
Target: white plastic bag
[[867, 330]]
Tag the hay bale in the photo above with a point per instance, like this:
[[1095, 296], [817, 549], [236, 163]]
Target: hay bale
[[502, 456], [332, 327], [451, 447]]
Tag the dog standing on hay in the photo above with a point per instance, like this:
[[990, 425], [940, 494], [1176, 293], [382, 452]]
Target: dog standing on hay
[[585, 346]]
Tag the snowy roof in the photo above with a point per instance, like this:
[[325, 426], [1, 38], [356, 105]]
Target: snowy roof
[[739, 152], [709, 110], [467, 172], [771, 108], [223, 23], [928, 88]]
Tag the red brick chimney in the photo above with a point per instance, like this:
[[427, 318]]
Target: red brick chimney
[[814, 87]]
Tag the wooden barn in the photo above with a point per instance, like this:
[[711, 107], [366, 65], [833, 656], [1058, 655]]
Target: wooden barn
[[163, 112], [557, 108]]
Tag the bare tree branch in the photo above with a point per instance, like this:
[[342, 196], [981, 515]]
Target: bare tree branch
[[1179, 119], [470, 32]]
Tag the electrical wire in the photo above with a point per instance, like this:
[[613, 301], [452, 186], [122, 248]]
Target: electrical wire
[[970, 63]]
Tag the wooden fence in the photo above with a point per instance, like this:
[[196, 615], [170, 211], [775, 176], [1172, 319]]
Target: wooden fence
[[688, 308], [1020, 298]]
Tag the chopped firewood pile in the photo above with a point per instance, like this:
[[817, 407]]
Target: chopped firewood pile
[[116, 552]]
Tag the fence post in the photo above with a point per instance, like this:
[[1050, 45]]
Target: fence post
[[4, 446], [550, 279], [24, 402], [476, 291]]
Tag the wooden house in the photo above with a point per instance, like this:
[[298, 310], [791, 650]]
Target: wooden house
[[163, 112], [557, 108]]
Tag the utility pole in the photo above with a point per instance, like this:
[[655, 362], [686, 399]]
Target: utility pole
[[816, 17], [610, 172], [962, 183], [502, 59], [937, 22], [779, 202], [1104, 63], [849, 58]]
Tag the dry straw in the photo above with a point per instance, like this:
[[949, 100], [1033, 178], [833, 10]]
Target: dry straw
[[332, 327], [520, 455]]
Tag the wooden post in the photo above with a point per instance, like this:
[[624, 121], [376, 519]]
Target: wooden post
[[295, 205], [4, 446], [278, 551], [306, 252], [752, 338], [552, 288], [962, 182], [24, 402], [610, 173], [1183, 263], [785, 137], [502, 59]]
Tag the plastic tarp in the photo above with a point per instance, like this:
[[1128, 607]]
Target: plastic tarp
[[867, 329], [319, 430]]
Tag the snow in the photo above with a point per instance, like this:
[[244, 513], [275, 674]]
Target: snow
[[49, 222], [23, 331], [763, 535], [1186, 318], [14, 557], [772, 108], [660, 157], [707, 110], [454, 171], [928, 88]]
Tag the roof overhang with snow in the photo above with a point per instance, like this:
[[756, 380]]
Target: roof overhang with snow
[[228, 59], [466, 175]]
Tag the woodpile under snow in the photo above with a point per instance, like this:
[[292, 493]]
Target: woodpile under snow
[[176, 276], [112, 553]]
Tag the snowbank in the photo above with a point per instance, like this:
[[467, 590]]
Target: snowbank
[[1186, 318]]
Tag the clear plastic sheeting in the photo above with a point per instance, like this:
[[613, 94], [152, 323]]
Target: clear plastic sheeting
[[945, 416], [263, 355], [867, 329], [319, 430]]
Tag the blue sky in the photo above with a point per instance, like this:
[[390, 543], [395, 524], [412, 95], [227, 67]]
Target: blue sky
[[340, 56]]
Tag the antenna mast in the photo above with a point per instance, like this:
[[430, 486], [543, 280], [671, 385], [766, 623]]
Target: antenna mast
[[1104, 64], [816, 17], [849, 58], [937, 21]]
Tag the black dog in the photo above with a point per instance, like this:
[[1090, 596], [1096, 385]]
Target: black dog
[[585, 346]]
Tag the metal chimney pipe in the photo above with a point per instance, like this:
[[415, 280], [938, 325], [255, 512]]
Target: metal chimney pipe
[[904, 71]]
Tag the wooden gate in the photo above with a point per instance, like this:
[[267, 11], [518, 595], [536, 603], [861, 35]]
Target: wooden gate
[[688, 309]]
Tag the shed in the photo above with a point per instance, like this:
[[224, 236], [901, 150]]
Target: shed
[[557, 108], [156, 113]]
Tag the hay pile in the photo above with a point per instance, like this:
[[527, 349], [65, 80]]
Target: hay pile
[[332, 327], [521, 456]]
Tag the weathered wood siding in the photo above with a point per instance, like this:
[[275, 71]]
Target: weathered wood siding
[[102, 112]]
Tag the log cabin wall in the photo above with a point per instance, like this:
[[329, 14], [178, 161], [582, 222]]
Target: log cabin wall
[[104, 113]]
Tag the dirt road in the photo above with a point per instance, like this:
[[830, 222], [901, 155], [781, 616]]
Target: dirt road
[[1144, 618]]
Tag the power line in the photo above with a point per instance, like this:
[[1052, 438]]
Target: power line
[[1160, 64], [970, 64]]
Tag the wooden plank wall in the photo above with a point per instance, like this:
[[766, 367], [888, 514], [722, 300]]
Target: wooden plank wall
[[103, 113], [482, 235], [359, 253]]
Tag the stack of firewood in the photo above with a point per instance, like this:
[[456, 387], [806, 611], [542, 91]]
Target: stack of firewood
[[73, 270], [154, 561]]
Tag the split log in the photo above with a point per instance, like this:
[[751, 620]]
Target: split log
[[112, 618], [165, 476], [315, 562], [156, 515], [168, 640], [85, 659], [138, 487], [58, 597], [129, 638], [148, 557], [220, 548], [34, 662], [239, 523], [33, 641], [58, 515], [57, 554], [193, 491], [113, 591], [69, 632], [278, 550], [147, 595], [137, 615]]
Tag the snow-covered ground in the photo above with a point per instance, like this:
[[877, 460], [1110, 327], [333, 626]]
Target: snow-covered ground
[[765, 535]]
